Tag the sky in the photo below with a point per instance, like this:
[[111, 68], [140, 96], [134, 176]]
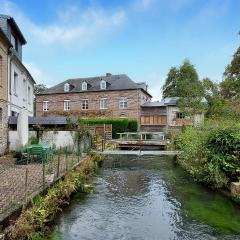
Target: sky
[[140, 38]]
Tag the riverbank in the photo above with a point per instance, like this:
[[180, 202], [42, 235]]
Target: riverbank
[[211, 154], [147, 197], [33, 222]]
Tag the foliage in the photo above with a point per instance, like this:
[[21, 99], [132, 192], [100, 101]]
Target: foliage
[[118, 125], [230, 86], [214, 99], [183, 82], [32, 223], [170, 86], [33, 140], [211, 154], [39, 88]]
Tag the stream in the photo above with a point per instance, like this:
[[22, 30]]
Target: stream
[[147, 197]]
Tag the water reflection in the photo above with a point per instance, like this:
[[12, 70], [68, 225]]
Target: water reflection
[[154, 200]]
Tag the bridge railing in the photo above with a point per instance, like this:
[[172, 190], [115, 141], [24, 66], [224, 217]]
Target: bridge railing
[[141, 136]]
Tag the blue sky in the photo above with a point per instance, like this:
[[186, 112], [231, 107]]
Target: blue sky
[[141, 38]]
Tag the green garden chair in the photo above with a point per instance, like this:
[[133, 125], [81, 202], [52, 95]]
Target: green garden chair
[[37, 154]]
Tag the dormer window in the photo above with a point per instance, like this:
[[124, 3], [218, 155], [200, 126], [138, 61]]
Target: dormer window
[[103, 84], [84, 86], [66, 87]]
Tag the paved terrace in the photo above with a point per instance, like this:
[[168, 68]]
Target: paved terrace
[[19, 183]]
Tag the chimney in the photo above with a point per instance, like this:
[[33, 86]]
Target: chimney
[[108, 74]]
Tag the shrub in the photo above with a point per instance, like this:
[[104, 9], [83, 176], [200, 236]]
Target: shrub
[[132, 126], [223, 145], [211, 154], [118, 125]]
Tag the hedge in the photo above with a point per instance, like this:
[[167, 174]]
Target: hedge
[[118, 125]]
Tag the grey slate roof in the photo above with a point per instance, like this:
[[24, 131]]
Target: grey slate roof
[[168, 101], [153, 104], [40, 120], [114, 82], [3, 24]]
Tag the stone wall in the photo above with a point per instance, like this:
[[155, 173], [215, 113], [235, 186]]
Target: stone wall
[[3, 95], [56, 103]]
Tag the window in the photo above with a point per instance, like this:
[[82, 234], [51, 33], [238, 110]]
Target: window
[[180, 115], [14, 42], [103, 103], [66, 87], [15, 83], [25, 90], [29, 95], [45, 106], [84, 86], [103, 84], [123, 103], [66, 105], [85, 104]]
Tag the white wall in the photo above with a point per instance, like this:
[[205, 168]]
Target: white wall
[[14, 142], [19, 99], [59, 138]]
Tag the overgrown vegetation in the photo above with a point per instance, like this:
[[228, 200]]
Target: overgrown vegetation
[[118, 125], [33, 222], [211, 154]]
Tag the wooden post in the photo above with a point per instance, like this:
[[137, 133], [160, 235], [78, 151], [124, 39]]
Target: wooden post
[[102, 145], [58, 165], [26, 187], [43, 169]]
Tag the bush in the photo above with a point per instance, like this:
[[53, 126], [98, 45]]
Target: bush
[[118, 125], [223, 145], [211, 154]]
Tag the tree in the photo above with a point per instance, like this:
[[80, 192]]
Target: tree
[[169, 88], [183, 82], [38, 88], [213, 97], [230, 86]]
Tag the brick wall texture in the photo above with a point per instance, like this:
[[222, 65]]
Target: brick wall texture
[[3, 96], [56, 104]]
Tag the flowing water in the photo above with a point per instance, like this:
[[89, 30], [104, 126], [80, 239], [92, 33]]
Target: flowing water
[[147, 198]]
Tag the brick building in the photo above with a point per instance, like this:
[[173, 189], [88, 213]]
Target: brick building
[[4, 50], [114, 96]]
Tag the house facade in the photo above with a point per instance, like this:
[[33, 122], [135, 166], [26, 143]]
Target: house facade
[[4, 50], [16, 83], [20, 81], [165, 115], [109, 96]]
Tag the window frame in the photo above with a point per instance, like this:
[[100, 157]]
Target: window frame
[[66, 105], [15, 83], [66, 87], [180, 115], [29, 94], [105, 84], [103, 100], [85, 104], [45, 106], [84, 86], [123, 104]]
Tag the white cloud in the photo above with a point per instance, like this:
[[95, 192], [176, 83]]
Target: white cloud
[[143, 5], [73, 26], [38, 75]]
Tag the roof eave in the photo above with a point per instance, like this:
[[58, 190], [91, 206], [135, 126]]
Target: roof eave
[[17, 29]]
